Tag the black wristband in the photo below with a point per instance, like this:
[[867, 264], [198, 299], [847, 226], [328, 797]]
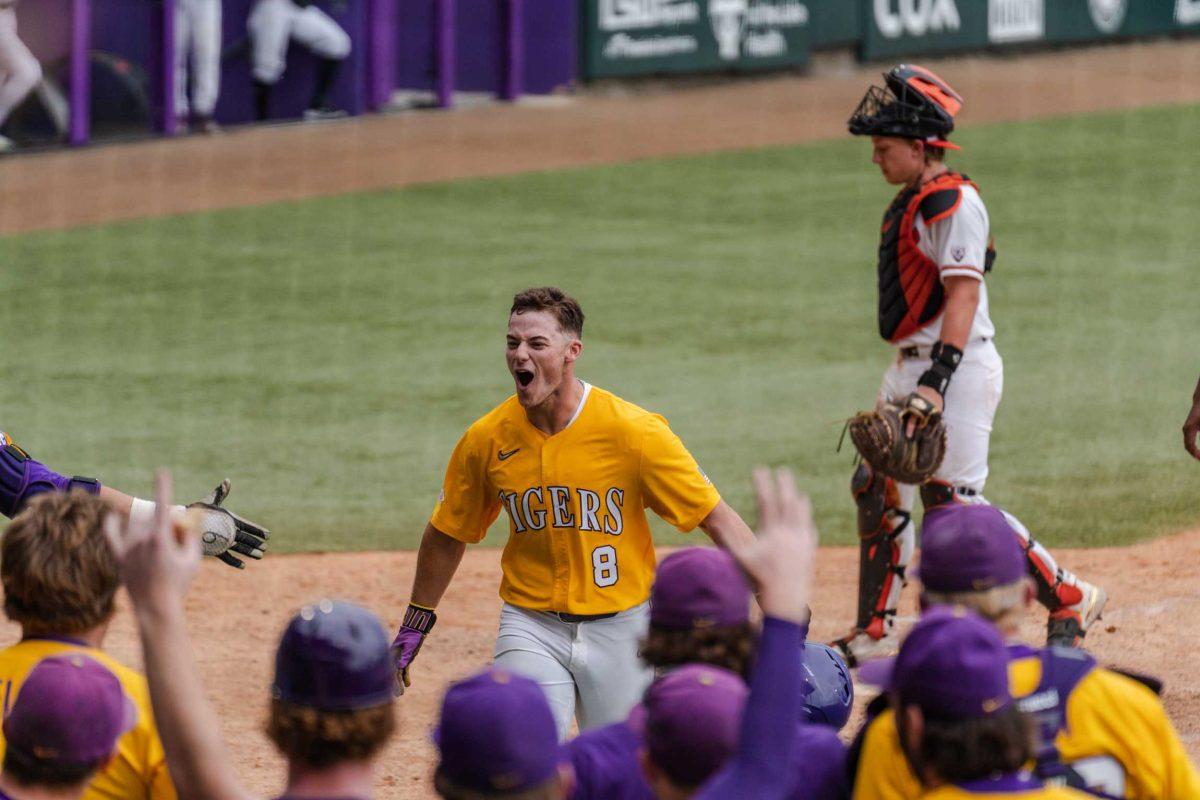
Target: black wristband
[[946, 358], [419, 618]]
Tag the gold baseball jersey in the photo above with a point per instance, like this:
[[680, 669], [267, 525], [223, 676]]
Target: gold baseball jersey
[[139, 769], [579, 541], [1108, 717], [1006, 788]]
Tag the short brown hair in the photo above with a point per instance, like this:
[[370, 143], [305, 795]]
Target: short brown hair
[[320, 739], [447, 789], [550, 298], [957, 751], [729, 648], [58, 570], [34, 772]]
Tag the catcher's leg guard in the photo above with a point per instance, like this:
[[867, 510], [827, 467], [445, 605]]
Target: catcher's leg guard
[[886, 542], [1073, 604]]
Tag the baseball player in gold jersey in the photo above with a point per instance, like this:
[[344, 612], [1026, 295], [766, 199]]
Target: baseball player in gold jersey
[[574, 467]]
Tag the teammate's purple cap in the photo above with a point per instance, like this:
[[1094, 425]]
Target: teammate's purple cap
[[699, 587], [953, 665], [70, 710], [497, 734], [969, 549], [693, 716], [334, 657]]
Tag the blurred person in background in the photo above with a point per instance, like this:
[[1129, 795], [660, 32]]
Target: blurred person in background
[[1097, 730], [332, 700], [273, 24], [64, 726], [20, 71], [198, 39], [60, 580]]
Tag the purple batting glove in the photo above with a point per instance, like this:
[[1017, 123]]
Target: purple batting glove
[[418, 622]]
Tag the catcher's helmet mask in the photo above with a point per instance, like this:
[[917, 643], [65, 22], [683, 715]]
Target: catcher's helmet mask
[[913, 104]]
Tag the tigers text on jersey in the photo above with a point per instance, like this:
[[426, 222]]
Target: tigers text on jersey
[[139, 769], [1110, 718], [579, 541]]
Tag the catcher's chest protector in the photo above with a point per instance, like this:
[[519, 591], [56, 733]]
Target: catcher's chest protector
[[910, 288]]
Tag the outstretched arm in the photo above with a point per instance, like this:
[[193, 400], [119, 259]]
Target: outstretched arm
[[437, 561], [158, 560], [1191, 426]]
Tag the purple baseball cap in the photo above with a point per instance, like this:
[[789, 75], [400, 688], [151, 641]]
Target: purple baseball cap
[[699, 587], [333, 656], [497, 734], [693, 717], [953, 665], [70, 710], [969, 549]]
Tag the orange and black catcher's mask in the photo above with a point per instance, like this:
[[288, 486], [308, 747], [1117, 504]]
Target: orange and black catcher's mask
[[914, 103]]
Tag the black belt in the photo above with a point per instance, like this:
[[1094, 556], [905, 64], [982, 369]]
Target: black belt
[[576, 618], [913, 351]]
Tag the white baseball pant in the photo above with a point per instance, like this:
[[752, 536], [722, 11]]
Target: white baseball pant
[[273, 23], [20, 71], [197, 34], [588, 670]]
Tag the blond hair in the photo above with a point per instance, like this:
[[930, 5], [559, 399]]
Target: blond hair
[[1002, 605], [58, 570]]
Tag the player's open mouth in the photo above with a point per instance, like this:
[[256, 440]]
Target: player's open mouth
[[524, 376]]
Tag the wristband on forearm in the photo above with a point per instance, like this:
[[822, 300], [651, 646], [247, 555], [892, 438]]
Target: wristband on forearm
[[946, 358], [419, 618]]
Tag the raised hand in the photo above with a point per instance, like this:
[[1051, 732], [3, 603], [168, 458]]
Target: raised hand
[[223, 531]]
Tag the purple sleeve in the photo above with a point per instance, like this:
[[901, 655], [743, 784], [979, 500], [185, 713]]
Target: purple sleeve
[[762, 766], [22, 478]]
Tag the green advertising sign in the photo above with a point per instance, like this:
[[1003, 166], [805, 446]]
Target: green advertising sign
[[643, 37], [914, 27]]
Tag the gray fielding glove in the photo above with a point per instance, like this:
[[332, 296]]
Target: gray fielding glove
[[223, 533]]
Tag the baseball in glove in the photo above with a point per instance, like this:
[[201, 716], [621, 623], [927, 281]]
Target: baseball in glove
[[879, 436]]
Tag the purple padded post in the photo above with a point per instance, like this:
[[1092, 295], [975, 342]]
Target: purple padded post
[[80, 89], [444, 21], [381, 66], [514, 50], [170, 123]]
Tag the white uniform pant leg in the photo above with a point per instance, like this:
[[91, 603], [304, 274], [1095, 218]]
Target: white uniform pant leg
[[538, 646], [609, 676], [971, 403], [206, 55], [270, 27], [317, 31], [183, 40], [20, 71]]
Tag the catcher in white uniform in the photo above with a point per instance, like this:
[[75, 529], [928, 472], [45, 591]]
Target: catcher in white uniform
[[20, 71], [272, 26], [933, 307], [198, 40]]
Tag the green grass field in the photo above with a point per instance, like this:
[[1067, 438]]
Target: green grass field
[[327, 354]]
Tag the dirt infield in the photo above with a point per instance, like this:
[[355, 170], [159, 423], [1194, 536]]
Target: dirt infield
[[260, 165], [235, 617]]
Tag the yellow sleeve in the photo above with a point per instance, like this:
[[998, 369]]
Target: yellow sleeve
[[466, 506], [1113, 714], [672, 483], [883, 772]]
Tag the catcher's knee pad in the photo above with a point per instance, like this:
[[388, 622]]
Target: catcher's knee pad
[[1056, 588], [881, 524]]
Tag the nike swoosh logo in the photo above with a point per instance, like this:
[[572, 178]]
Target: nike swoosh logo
[[504, 456]]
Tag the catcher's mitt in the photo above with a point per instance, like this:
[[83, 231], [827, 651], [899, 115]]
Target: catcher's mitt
[[879, 436]]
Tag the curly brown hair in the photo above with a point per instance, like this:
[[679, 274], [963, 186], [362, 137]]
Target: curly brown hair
[[58, 570], [957, 751], [320, 739], [550, 298], [730, 648]]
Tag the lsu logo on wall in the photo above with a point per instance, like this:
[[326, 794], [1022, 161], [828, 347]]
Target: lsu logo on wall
[[896, 18], [754, 28], [626, 15]]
